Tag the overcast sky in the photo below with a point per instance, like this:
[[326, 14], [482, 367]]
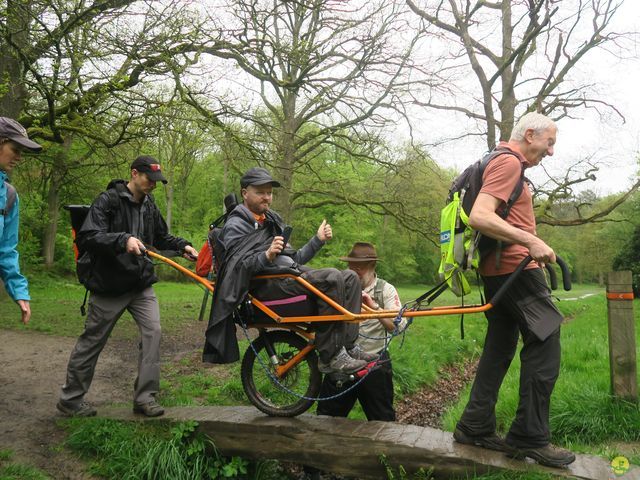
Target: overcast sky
[[614, 144]]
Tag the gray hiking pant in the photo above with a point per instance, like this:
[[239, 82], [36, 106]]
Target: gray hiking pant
[[102, 315]]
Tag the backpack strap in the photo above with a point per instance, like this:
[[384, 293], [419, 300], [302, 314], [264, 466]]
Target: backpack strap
[[11, 199], [378, 292], [515, 194], [114, 200]]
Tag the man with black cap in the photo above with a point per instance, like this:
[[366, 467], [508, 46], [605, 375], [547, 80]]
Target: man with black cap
[[121, 223], [13, 141], [252, 242]]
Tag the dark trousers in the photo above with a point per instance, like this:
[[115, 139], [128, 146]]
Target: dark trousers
[[526, 308], [343, 286], [375, 394]]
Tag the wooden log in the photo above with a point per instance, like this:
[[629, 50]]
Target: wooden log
[[622, 336], [352, 447]]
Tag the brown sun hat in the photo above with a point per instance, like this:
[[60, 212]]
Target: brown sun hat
[[361, 252]]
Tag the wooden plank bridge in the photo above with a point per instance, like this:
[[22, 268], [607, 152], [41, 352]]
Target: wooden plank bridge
[[351, 447]]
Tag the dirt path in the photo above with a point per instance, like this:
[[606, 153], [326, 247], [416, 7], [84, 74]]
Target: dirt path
[[32, 369]]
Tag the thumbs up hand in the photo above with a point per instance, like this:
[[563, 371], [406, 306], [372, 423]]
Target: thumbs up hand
[[324, 231]]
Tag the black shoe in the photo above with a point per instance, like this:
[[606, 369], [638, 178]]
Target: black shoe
[[490, 442], [151, 409], [548, 455], [70, 409]]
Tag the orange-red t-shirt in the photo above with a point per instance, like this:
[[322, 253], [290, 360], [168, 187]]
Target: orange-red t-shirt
[[499, 180]]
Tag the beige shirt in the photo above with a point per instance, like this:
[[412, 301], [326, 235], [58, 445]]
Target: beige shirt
[[373, 327]]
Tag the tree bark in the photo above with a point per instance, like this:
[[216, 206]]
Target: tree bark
[[12, 91], [58, 174]]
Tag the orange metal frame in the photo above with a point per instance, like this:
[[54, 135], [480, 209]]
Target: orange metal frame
[[344, 315], [292, 323]]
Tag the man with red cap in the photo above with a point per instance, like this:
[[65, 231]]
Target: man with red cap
[[122, 221]]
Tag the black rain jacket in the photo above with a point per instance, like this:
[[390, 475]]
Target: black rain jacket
[[104, 266], [241, 249]]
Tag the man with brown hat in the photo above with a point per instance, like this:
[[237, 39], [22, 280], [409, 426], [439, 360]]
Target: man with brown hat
[[13, 141], [375, 392], [252, 242]]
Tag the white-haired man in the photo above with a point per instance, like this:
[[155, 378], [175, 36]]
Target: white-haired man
[[526, 309]]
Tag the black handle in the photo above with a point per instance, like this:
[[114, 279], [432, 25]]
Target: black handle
[[512, 278], [566, 274], [553, 278], [566, 277]]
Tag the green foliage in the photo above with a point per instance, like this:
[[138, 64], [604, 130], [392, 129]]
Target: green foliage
[[16, 471], [145, 452], [628, 258], [594, 249], [21, 472], [401, 474]]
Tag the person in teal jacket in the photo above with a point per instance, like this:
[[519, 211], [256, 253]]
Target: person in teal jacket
[[13, 140]]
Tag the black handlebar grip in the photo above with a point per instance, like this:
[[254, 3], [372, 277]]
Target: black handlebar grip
[[566, 274], [512, 278], [553, 278]]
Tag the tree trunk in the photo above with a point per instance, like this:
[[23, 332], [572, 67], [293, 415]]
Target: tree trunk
[[12, 91], [58, 175], [168, 195], [508, 102], [285, 165]]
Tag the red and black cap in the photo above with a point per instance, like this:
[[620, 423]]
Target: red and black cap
[[12, 130], [150, 166]]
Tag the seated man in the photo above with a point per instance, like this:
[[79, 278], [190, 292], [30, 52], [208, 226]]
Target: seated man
[[251, 243]]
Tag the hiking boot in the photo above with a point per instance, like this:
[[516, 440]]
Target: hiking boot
[[70, 409], [359, 354], [151, 409], [342, 363], [548, 455], [490, 441]]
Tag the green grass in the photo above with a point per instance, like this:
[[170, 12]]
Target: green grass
[[15, 471], [55, 308], [141, 450], [584, 416]]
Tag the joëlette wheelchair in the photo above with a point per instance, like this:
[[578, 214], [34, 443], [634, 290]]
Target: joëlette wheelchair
[[279, 369]]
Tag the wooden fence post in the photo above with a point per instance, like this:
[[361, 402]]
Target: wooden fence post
[[622, 336]]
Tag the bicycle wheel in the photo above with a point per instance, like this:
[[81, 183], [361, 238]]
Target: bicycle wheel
[[303, 380]]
